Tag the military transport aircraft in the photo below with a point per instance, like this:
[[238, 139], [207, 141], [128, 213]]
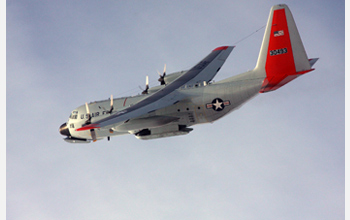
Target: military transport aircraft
[[187, 98]]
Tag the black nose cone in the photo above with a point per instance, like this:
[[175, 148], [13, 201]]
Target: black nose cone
[[64, 130]]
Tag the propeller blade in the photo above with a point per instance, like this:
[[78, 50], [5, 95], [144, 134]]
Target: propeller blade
[[111, 100], [93, 135], [147, 86], [87, 108], [92, 131], [161, 77], [88, 121], [111, 109], [164, 70]]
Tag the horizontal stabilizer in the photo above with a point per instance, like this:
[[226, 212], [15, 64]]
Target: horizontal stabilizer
[[313, 61]]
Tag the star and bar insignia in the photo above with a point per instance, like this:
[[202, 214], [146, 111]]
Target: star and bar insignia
[[218, 104]]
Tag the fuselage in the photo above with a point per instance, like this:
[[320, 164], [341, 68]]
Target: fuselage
[[202, 103], [172, 109]]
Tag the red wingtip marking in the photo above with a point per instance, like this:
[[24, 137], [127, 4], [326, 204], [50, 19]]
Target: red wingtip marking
[[88, 127], [221, 48]]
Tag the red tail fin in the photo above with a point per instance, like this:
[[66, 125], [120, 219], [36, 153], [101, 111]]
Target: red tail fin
[[282, 56]]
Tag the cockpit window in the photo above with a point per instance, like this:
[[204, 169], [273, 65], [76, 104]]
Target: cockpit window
[[74, 115]]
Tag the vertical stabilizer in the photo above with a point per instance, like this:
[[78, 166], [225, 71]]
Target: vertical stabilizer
[[282, 55]]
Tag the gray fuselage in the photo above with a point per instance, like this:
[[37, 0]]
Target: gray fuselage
[[203, 103]]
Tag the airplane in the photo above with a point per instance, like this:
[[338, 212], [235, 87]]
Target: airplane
[[186, 98]]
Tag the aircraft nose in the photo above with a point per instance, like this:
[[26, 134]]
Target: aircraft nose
[[64, 130]]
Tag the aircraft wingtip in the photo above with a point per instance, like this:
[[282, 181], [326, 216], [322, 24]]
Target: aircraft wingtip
[[221, 48]]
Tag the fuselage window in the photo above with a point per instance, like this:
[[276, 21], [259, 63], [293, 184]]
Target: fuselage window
[[73, 116]]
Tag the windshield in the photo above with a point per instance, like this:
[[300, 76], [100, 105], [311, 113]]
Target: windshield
[[74, 115]]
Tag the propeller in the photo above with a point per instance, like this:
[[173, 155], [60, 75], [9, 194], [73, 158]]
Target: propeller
[[88, 121], [161, 77], [147, 86], [111, 109]]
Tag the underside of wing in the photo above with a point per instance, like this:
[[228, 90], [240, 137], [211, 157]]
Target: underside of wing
[[142, 123]]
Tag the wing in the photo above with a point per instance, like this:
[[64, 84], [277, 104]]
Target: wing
[[205, 70], [209, 66]]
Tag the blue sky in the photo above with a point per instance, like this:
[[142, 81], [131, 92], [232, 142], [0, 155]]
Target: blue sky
[[280, 156]]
